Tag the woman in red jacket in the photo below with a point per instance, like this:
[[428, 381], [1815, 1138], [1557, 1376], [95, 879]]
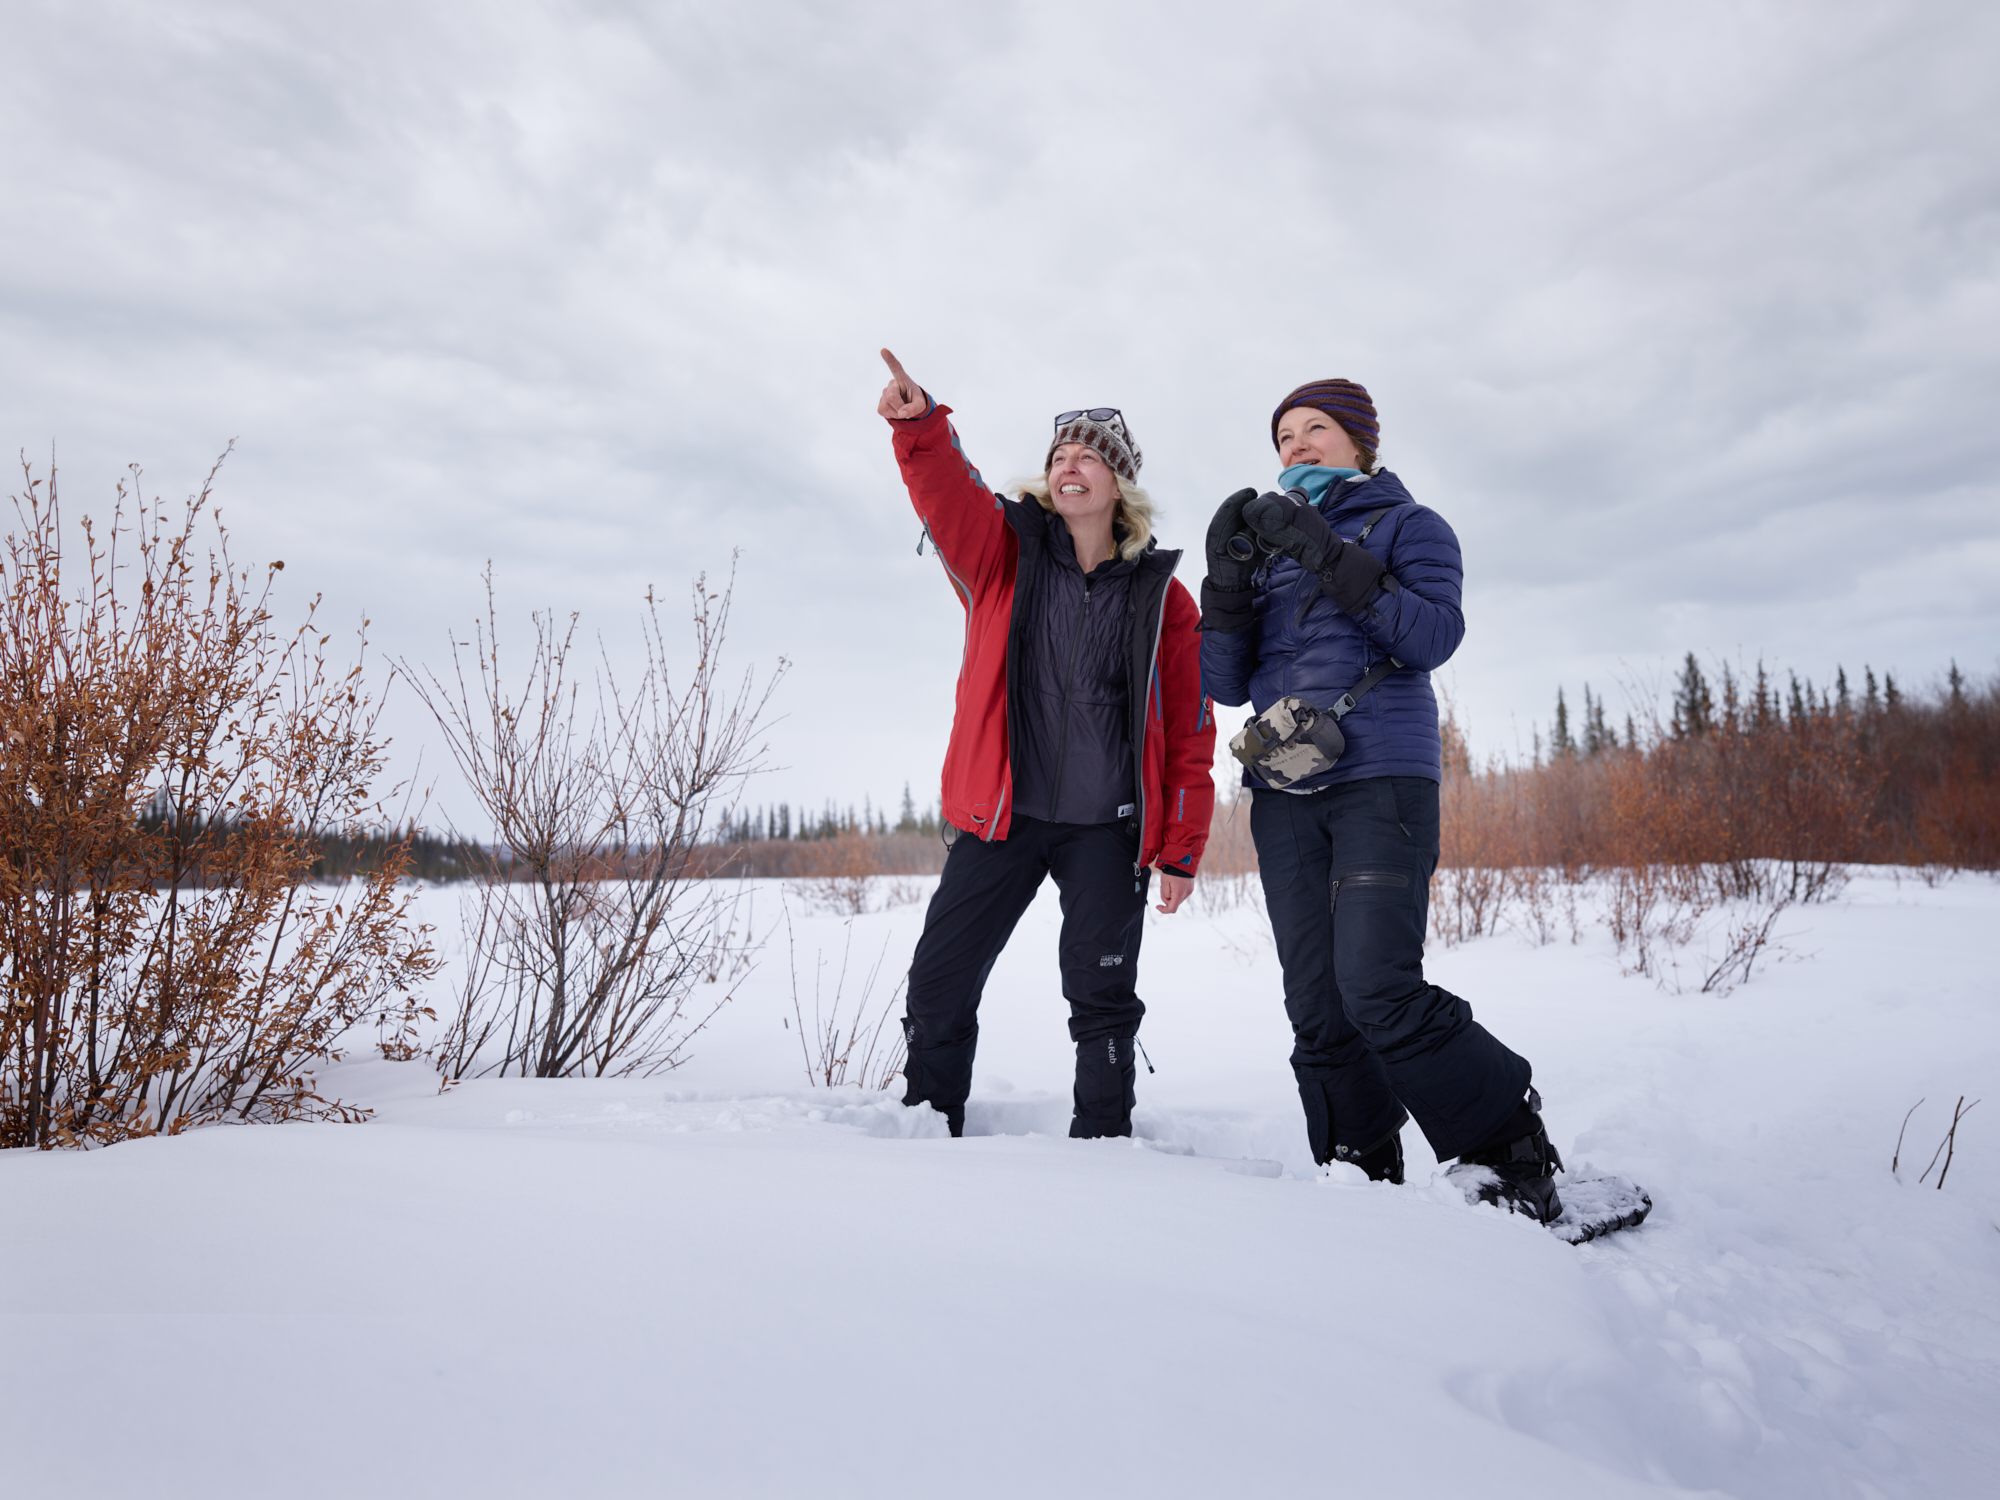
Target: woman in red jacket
[[1080, 746]]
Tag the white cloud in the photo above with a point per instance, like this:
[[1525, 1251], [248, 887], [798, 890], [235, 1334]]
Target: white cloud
[[1685, 317]]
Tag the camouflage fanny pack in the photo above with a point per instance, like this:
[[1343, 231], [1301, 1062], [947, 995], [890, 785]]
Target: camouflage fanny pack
[[1293, 740]]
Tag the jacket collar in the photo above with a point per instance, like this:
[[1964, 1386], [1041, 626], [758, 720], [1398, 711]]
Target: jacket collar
[[1028, 519], [1382, 488]]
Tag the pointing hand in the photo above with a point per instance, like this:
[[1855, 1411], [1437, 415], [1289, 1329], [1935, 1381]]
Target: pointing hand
[[903, 400]]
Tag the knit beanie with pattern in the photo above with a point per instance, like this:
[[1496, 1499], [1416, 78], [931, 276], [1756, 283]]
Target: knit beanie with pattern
[[1346, 401], [1111, 438]]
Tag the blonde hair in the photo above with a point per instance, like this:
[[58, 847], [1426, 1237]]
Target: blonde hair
[[1134, 517]]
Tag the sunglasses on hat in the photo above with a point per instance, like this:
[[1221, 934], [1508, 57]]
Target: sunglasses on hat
[[1095, 413]]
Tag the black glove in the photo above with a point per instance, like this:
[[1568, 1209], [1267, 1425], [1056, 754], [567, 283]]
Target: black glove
[[1229, 573], [1349, 576]]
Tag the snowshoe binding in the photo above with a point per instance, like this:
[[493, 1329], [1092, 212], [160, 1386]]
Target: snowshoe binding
[[1518, 1175]]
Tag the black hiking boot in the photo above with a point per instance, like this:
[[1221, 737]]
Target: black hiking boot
[[1382, 1162], [1520, 1173]]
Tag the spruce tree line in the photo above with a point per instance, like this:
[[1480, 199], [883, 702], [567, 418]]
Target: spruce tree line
[[1751, 763], [1751, 707], [783, 821]]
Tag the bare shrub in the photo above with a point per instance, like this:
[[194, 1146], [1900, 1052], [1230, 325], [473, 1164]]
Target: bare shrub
[[1216, 893], [165, 961], [902, 891], [841, 1034], [891, 853], [1480, 845], [1230, 849], [1702, 833], [1744, 939], [590, 927], [1648, 908], [836, 874], [1950, 1142], [1466, 901], [1896, 1158], [1540, 907]]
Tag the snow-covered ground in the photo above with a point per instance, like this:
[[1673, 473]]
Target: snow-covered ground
[[723, 1282]]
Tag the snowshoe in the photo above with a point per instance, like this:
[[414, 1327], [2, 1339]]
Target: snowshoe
[[1593, 1204], [1597, 1203]]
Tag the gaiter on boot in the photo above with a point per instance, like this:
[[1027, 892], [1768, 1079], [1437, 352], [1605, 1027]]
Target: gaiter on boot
[[939, 1077], [1105, 1075]]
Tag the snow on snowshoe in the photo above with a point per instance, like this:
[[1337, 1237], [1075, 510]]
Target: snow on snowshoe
[[1596, 1203]]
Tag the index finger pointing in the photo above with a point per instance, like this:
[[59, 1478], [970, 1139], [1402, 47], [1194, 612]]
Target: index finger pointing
[[896, 369]]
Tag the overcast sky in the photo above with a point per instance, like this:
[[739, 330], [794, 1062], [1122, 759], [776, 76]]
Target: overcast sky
[[1686, 317]]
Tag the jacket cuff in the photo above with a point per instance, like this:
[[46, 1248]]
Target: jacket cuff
[[1227, 610], [930, 405]]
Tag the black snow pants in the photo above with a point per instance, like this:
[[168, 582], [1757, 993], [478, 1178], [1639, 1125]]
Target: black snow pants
[[985, 888], [1346, 874]]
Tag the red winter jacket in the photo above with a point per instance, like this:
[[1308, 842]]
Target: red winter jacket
[[982, 540]]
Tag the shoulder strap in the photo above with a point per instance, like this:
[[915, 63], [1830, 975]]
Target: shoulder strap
[[1369, 524], [1342, 706]]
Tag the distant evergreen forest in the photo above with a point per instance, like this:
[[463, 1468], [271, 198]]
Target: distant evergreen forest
[[783, 821], [340, 856], [433, 859], [1744, 767]]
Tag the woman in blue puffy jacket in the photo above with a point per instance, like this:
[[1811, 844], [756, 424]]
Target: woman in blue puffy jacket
[[1339, 585]]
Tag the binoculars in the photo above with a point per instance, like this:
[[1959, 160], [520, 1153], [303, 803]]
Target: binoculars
[[1246, 544]]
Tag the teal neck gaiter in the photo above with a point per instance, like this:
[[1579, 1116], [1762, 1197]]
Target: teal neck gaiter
[[1314, 479]]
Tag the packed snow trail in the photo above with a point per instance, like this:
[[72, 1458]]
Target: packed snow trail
[[724, 1283]]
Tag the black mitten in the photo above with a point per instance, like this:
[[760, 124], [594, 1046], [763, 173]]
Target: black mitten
[[1226, 571], [1352, 577], [1226, 611], [1292, 527]]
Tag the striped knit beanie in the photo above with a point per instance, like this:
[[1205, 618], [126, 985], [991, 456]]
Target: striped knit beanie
[[1346, 401], [1111, 438]]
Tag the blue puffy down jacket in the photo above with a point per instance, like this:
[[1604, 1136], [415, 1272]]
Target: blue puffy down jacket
[[1303, 643]]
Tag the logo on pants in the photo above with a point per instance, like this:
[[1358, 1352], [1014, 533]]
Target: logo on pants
[[1111, 961]]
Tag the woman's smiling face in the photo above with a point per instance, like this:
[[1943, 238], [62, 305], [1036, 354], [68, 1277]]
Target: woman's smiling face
[[1081, 484], [1307, 435]]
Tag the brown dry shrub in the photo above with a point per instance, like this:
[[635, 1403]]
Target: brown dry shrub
[[165, 961], [1230, 850], [833, 874]]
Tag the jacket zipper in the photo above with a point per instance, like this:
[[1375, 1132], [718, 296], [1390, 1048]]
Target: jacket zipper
[[1069, 682], [1145, 686]]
